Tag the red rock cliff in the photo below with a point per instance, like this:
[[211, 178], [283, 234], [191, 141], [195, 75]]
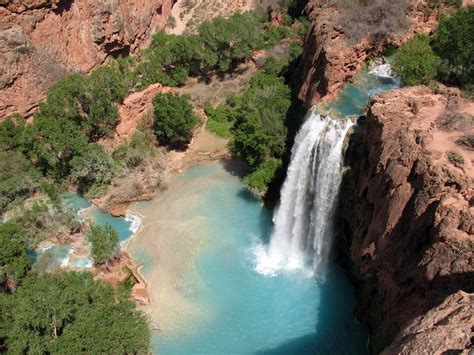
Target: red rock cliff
[[43, 40], [412, 217], [341, 38]]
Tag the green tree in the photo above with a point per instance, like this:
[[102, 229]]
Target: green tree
[[71, 313], [92, 169], [18, 178], [228, 42], [454, 43], [52, 143], [259, 130], [105, 243], [415, 61], [14, 260], [174, 119]]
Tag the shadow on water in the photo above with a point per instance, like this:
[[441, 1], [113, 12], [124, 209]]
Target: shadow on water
[[334, 333]]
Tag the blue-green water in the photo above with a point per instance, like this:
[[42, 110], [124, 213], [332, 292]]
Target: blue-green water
[[96, 215], [246, 312], [51, 257]]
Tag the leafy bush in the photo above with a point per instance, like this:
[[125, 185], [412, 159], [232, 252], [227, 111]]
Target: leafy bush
[[415, 61], [174, 119], [14, 260], [18, 178], [454, 43], [105, 243], [274, 66], [131, 154], [258, 180], [220, 119], [92, 170], [455, 158]]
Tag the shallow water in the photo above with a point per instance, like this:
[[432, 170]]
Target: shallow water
[[244, 312], [125, 227], [50, 257]]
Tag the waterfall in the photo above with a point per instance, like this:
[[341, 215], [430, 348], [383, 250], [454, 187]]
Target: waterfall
[[304, 221]]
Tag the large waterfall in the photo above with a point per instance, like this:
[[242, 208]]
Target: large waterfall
[[304, 221]]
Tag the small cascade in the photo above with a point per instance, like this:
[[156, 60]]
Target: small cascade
[[304, 221]]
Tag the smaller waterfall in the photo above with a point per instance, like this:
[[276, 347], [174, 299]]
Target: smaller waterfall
[[304, 221]]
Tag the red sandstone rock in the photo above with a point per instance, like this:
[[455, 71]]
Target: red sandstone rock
[[43, 40], [330, 58], [447, 328], [415, 238]]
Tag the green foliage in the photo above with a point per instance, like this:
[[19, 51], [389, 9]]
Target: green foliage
[[455, 158], [415, 61], [105, 242], [274, 66], [259, 131], [88, 102], [227, 43], [18, 178], [258, 180], [92, 170], [169, 59], [274, 34], [220, 119], [42, 220], [11, 133], [174, 119], [296, 49], [454, 43], [51, 144], [71, 313], [14, 260], [131, 154]]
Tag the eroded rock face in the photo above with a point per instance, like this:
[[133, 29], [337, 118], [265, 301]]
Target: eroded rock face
[[341, 39], [444, 329], [43, 40], [413, 215]]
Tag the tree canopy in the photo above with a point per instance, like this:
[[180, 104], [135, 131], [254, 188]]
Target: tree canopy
[[454, 43], [415, 61], [174, 119], [71, 313]]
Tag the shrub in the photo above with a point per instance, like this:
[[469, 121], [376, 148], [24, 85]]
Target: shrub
[[219, 120], [274, 66], [174, 119], [454, 43], [415, 61], [105, 243], [467, 141], [455, 158], [258, 180], [18, 178]]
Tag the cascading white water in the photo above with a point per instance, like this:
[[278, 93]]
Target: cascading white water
[[304, 221]]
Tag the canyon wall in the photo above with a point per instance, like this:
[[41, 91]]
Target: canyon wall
[[344, 34], [407, 203], [44, 40]]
